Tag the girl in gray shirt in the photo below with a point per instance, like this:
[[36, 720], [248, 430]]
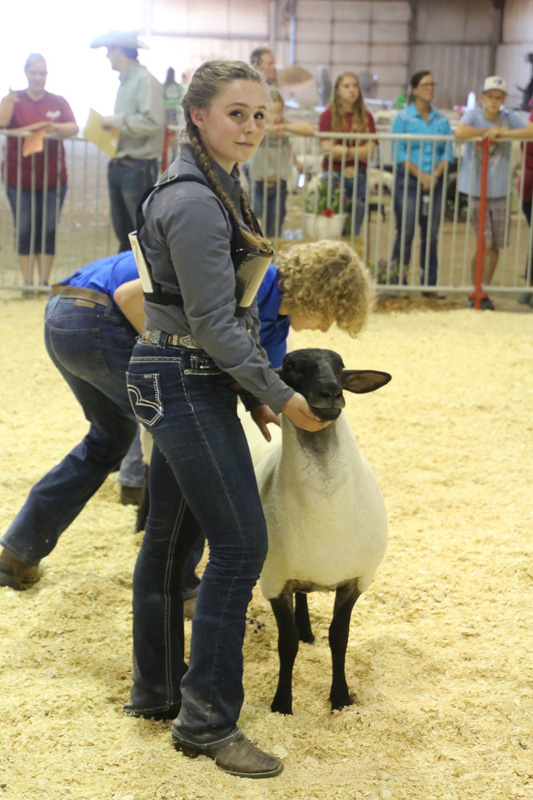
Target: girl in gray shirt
[[200, 341]]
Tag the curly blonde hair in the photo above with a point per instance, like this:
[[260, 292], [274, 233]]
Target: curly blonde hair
[[327, 279]]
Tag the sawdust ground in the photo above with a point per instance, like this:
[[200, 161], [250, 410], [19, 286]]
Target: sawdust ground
[[440, 651]]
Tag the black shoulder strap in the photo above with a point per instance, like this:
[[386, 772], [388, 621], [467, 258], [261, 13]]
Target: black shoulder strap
[[159, 295]]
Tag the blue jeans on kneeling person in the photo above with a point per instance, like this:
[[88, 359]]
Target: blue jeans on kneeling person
[[90, 345]]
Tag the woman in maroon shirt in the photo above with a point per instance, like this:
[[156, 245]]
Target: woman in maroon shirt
[[36, 184], [347, 113]]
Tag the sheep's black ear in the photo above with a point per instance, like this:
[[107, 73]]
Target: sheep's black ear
[[360, 381]]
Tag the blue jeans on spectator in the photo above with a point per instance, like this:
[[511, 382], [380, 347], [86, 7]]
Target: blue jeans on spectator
[[36, 208], [128, 179], [186, 402], [276, 204], [404, 253], [360, 194], [91, 347]]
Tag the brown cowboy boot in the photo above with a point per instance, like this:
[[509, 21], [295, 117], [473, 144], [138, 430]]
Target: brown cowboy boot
[[15, 573], [240, 757]]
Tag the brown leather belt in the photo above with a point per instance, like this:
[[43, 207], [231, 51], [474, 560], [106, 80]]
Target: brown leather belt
[[80, 293], [169, 339]]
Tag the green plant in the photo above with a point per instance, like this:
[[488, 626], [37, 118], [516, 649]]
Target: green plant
[[318, 202], [388, 272]]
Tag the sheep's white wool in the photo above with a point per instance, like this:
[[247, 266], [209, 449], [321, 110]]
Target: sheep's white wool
[[325, 513]]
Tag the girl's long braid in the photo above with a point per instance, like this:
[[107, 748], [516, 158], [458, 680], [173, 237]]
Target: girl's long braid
[[255, 237]]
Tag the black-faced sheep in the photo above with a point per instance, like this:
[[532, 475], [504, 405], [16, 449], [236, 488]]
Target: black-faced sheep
[[326, 519]]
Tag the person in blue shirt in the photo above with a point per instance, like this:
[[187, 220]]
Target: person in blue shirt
[[491, 122], [418, 187], [91, 322], [313, 285]]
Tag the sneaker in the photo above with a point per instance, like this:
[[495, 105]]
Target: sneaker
[[525, 298], [485, 304], [16, 574]]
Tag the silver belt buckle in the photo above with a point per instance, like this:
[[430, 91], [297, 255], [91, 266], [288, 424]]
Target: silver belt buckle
[[150, 337], [189, 341]]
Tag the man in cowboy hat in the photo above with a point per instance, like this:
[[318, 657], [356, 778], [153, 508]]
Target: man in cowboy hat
[[140, 116]]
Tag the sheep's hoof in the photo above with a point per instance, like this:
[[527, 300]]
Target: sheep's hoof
[[341, 701], [307, 638], [281, 706]]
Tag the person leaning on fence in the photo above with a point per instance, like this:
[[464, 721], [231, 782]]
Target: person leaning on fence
[[491, 122], [201, 339], [526, 297], [271, 165], [91, 322], [36, 184], [140, 116], [347, 113], [418, 188]]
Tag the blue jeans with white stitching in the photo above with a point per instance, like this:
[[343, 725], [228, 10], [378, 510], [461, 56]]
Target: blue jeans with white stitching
[[90, 345], [186, 403]]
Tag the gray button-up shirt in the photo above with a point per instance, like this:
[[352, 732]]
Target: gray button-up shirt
[[140, 114], [186, 239]]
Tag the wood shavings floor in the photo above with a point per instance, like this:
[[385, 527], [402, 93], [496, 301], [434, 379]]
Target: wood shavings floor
[[441, 646]]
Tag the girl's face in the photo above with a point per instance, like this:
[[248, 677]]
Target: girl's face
[[233, 125], [348, 90], [36, 75], [308, 322]]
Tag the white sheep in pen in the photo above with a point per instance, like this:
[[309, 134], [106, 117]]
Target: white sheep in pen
[[327, 525]]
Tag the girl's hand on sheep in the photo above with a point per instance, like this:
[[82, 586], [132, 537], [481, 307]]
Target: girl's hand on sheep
[[263, 416], [299, 412]]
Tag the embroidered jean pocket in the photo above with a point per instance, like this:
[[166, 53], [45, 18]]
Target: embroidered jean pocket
[[202, 365], [144, 393]]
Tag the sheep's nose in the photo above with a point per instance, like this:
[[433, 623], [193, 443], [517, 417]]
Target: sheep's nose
[[331, 393]]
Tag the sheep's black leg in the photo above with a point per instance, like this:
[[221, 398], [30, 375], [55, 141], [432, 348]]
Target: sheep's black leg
[[301, 615], [287, 650], [339, 630]]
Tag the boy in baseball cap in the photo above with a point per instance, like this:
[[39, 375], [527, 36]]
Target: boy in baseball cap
[[491, 122]]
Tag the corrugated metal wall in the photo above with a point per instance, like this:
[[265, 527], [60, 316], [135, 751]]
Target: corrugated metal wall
[[517, 43], [356, 35]]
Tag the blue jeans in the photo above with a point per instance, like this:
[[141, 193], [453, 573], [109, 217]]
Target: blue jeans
[[131, 471], [91, 348], [275, 200], [360, 194], [409, 231], [41, 205], [128, 179], [186, 403]]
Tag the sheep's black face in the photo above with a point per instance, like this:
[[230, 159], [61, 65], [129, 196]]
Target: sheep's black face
[[317, 374]]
